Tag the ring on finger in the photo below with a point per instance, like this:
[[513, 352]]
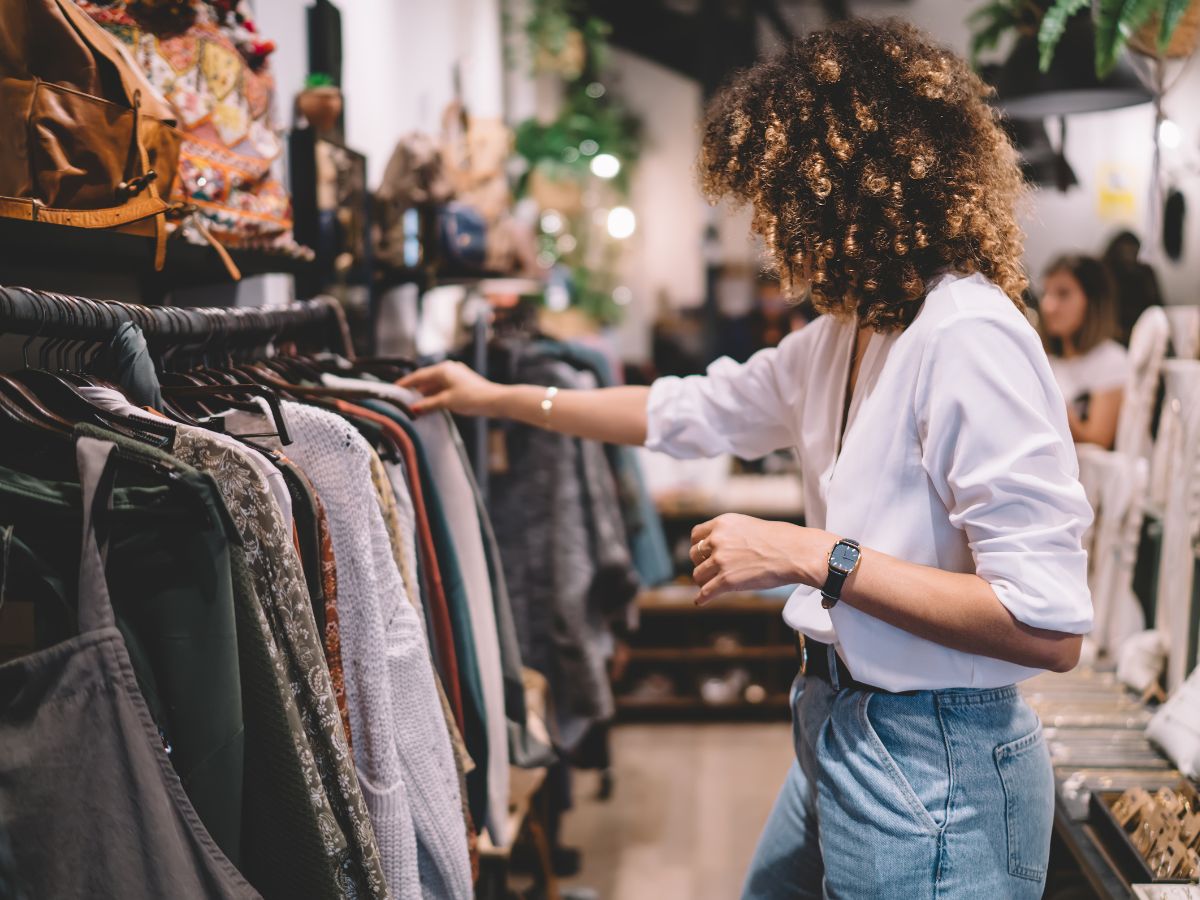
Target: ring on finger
[[705, 550]]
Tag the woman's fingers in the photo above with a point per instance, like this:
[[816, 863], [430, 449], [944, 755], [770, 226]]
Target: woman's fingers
[[712, 588], [423, 381], [431, 403], [701, 550], [427, 380], [706, 571], [703, 530]]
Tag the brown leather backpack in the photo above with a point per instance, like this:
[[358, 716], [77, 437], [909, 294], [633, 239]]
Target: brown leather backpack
[[84, 139]]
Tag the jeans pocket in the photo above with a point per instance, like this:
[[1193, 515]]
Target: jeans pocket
[[1028, 781], [927, 811]]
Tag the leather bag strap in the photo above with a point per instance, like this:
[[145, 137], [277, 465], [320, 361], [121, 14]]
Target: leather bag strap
[[137, 209]]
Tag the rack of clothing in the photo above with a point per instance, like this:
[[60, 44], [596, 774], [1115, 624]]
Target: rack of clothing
[[281, 659]]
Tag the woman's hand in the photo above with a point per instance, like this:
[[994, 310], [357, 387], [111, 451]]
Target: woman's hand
[[453, 386], [615, 415], [740, 553]]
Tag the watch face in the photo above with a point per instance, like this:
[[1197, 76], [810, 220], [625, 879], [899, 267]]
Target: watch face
[[844, 557]]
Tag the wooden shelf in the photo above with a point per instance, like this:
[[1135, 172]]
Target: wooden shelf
[[61, 248], [673, 600], [677, 638], [774, 703], [711, 654]]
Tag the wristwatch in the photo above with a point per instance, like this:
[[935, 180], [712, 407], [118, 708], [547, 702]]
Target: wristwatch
[[843, 560]]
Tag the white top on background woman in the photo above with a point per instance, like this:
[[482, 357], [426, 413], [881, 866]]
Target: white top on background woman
[[1078, 321], [939, 470]]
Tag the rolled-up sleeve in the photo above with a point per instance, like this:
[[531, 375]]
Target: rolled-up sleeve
[[997, 449], [746, 409]]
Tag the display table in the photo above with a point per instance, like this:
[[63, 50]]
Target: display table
[[1095, 732], [1084, 844]]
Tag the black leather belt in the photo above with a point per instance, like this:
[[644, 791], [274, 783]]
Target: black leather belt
[[821, 661]]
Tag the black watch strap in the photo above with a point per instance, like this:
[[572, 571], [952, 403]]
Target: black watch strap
[[831, 593]]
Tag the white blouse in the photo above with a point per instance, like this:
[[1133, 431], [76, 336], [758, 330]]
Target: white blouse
[[956, 455], [1103, 368]]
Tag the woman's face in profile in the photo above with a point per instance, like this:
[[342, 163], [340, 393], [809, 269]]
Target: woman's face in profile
[[1063, 306]]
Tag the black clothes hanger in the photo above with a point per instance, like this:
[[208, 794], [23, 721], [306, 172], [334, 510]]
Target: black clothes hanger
[[208, 359], [231, 394], [56, 400]]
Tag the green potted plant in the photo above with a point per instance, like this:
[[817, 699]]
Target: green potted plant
[[1167, 28]]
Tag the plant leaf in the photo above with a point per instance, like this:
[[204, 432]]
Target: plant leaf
[[988, 37], [1054, 23], [1116, 20], [1171, 14]]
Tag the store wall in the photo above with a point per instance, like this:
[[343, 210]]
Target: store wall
[[664, 263], [398, 64]]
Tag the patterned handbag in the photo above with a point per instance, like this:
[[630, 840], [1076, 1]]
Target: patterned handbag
[[206, 61]]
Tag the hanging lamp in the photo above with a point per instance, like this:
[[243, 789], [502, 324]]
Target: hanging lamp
[[1070, 86]]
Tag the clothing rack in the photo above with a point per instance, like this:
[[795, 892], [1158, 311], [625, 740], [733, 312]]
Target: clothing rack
[[49, 315]]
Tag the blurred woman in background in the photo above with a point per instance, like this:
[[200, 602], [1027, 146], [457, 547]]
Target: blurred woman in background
[[1134, 281], [1078, 324]]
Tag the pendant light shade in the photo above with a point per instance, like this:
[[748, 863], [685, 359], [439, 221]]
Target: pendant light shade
[[1041, 163], [1071, 86]]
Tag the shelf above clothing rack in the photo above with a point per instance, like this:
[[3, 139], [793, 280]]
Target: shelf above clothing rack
[[60, 250]]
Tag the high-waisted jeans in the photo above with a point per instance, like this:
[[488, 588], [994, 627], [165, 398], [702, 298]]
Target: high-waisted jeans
[[946, 794]]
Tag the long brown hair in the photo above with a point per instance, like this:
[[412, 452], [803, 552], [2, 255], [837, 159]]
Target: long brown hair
[[1100, 316], [872, 161]]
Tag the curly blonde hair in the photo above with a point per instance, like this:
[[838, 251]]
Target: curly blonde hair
[[872, 161]]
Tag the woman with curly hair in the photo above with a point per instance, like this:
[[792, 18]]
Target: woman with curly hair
[[942, 562]]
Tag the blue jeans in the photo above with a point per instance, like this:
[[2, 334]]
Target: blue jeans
[[946, 794]]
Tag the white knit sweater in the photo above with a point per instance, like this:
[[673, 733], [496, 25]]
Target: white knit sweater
[[401, 746], [462, 514]]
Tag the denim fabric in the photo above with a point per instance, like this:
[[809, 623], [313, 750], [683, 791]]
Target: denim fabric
[[946, 794]]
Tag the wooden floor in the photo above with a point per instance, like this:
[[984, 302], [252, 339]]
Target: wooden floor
[[687, 808]]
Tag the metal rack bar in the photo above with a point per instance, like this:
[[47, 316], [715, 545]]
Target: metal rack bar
[[44, 314]]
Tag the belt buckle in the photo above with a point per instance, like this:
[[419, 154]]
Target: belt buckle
[[803, 647]]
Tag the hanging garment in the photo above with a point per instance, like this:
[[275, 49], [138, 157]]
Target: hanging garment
[[300, 657], [402, 750], [458, 499], [125, 361], [283, 617], [389, 509], [115, 401], [320, 574], [526, 749], [314, 545], [445, 556], [304, 530], [443, 562], [433, 591], [407, 514], [643, 524], [283, 852], [76, 735], [565, 557], [332, 635], [169, 575]]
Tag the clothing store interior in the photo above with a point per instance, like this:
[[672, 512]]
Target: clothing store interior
[[443, 449]]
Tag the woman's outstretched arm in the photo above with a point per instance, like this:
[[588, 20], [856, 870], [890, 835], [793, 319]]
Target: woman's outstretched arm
[[615, 415]]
